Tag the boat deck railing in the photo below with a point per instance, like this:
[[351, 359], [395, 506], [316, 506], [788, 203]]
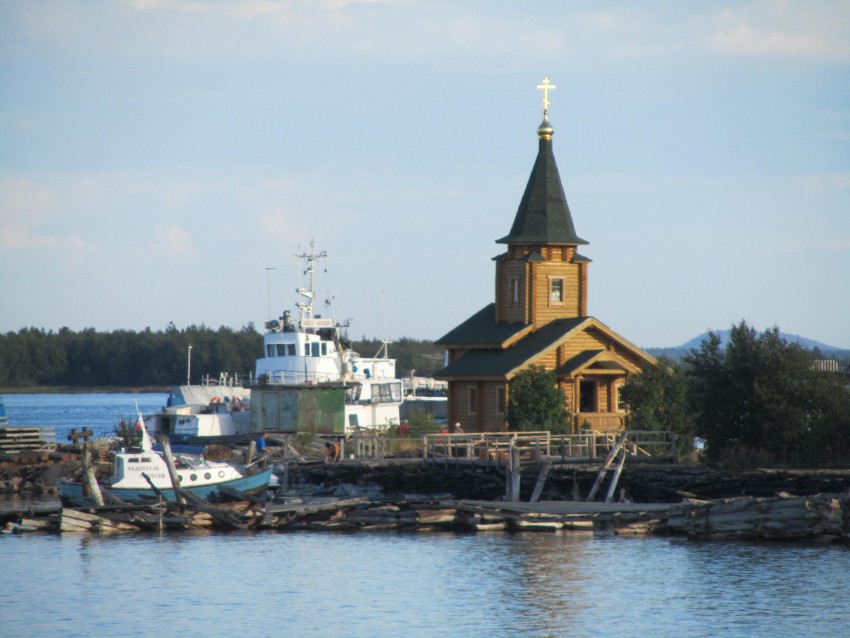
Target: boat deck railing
[[285, 377], [227, 379]]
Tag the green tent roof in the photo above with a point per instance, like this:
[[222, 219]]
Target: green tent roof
[[543, 216]]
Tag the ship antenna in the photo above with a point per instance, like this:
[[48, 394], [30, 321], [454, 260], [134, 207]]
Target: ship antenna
[[385, 343], [269, 288]]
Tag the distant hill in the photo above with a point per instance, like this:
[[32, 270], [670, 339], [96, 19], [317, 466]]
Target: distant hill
[[678, 352]]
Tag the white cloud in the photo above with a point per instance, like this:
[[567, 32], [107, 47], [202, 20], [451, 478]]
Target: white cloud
[[20, 238], [243, 8], [825, 181], [277, 226], [24, 200], [171, 239], [814, 31]]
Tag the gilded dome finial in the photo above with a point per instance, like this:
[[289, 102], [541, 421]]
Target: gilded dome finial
[[545, 130]]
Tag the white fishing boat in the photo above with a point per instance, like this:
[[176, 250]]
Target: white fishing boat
[[212, 408], [223, 416], [312, 352], [194, 474], [209, 389]]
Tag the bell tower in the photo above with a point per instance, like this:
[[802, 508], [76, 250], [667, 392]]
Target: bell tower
[[542, 277]]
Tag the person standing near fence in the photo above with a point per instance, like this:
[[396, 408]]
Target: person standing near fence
[[458, 452], [262, 448]]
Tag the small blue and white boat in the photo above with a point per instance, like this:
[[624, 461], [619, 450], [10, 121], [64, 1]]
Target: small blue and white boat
[[194, 473]]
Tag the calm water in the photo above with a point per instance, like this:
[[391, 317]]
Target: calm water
[[416, 584], [99, 412], [379, 584]]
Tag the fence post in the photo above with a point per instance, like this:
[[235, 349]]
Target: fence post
[[513, 473]]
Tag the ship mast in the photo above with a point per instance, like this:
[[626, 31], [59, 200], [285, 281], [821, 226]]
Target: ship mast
[[306, 308]]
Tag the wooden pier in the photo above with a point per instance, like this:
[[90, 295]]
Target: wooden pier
[[513, 451]]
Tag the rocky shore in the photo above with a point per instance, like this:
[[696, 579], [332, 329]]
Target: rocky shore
[[696, 501]]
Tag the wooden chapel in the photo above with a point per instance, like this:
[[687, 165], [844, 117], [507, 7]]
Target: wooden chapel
[[539, 318]]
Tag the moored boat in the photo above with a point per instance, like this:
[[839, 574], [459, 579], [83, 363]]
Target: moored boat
[[194, 474], [309, 377], [222, 416], [213, 408]]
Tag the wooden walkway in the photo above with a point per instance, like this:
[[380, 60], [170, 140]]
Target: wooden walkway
[[495, 448], [559, 508]]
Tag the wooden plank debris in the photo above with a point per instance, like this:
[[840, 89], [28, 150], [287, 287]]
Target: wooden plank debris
[[22, 439]]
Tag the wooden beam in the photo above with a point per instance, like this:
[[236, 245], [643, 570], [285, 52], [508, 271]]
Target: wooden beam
[[541, 480], [88, 474], [172, 470]]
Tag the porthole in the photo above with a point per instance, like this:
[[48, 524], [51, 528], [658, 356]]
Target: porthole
[[208, 476], [194, 477], [221, 474]]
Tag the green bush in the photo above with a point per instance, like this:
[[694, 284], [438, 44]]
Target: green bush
[[536, 403]]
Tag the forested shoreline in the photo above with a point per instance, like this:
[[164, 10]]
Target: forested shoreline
[[88, 359]]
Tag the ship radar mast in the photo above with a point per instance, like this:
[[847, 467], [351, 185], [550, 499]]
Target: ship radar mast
[[307, 319]]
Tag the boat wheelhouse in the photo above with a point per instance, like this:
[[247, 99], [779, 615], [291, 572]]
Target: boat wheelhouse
[[312, 352]]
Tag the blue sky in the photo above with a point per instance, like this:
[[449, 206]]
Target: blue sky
[[158, 156]]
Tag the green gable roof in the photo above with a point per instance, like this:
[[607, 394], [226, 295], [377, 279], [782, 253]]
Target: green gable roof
[[501, 362], [543, 216], [481, 329], [578, 361]]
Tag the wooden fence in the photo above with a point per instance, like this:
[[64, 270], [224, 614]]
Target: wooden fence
[[589, 446], [594, 446], [489, 447], [495, 447]]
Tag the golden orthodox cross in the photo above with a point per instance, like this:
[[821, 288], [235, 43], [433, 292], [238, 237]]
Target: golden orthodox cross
[[546, 87]]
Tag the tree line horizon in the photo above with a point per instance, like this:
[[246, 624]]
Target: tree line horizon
[[65, 358], [757, 401]]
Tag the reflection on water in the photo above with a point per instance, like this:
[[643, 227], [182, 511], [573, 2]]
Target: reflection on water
[[395, 584]]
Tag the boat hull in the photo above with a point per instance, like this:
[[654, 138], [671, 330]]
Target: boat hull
[[73, 490]]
